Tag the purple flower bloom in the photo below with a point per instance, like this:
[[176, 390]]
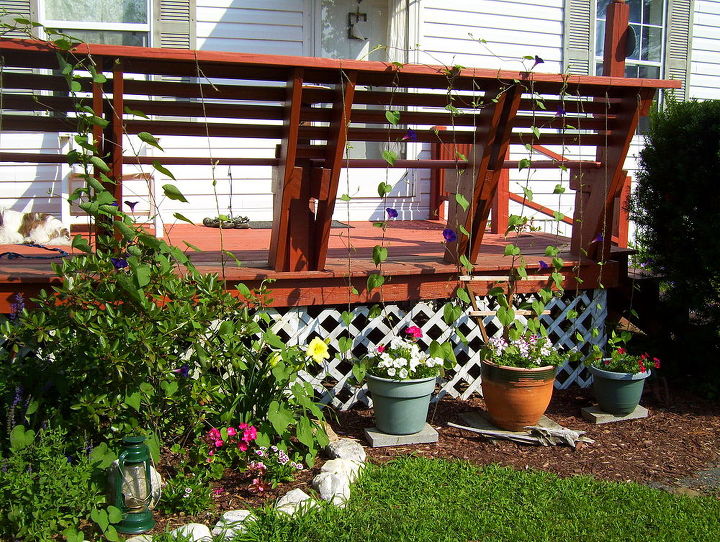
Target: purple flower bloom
[[119, 263], [538, 60], [411, 135], [598, 238], [18, 397], [449, 235], [18, 306], [543, 265], [131, 204], [561, 112], [183, 371], [392, 213]]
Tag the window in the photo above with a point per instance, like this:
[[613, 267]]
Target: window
[[645, 52], [114, 22]]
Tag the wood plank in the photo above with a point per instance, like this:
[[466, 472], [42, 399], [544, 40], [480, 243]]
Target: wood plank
[[288, 176], [342, 111]]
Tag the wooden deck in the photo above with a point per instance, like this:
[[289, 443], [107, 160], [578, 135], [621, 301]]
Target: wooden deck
[[415, 268]]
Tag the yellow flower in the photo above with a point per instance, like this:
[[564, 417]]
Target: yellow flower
[[317, 350]]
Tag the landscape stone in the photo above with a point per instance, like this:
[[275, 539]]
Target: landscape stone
[[594, 415], [295, 501], [333, 488], [378, 439], [232, 523], [331, 434], [196, 532], [346, 448], [140, 538], [343, 467]]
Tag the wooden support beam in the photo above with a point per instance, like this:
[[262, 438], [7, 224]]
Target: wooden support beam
[[335, 151], [287, 177], [501, 201], [616, 38], [478, 182]]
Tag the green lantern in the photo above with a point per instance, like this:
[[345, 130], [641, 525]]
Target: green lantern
[[133, 487]]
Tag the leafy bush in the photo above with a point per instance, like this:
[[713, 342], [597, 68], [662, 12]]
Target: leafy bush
[[185, 493], [675, 207], [44, 490]]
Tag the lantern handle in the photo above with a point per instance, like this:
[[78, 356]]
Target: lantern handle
[[119, 501]]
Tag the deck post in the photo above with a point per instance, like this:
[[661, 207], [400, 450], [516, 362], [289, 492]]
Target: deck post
[[501, 202], [287, 177]]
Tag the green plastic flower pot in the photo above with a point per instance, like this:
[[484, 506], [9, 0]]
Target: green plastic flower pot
[[618, 393], [400, 406]]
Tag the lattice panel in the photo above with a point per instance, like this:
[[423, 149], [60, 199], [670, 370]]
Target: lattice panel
[[301, 324]]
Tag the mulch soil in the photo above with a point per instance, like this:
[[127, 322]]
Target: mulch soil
[[677, 446]]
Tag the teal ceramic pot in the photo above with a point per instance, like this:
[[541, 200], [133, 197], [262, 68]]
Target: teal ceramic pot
[[618, 393], [400, 406]]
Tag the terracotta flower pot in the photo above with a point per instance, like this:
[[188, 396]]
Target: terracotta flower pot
[[516, 397]]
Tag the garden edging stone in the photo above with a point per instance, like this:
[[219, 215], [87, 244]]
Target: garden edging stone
[[194, 532], [232, 523], [346, 448], [334, 488]]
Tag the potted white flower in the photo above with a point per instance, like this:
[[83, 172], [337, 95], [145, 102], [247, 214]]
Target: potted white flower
[[401, 378]]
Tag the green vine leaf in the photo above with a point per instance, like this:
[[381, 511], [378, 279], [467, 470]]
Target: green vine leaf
[[380, 254], [393, 117], [182, 217], [524, 163], [150, 139], [559, 189], [558, 215], [462, 295], [162, 169], [462, 230], [466, 263], [384, 189], [135, 112], [462, 201], [172, 192], [535, 131], [345, 197], [375, 280], [389, 156], [528, 193], [511, 250]]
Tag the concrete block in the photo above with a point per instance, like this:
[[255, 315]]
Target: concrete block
[[378, 439], [593, 414]]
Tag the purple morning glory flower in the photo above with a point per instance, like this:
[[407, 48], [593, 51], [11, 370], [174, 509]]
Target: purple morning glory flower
[[410, 135], [392, 213], [538, 60], [114, 204], [131, 204], [119, 263], [183, 371], [449, 235], [543, 265], [561, 112], [598, 238]]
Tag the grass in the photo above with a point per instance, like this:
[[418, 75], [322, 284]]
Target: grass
[[417, 499]]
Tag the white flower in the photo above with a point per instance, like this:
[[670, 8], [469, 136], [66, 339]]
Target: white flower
[[391, 371], [403, 373], [400, 362]]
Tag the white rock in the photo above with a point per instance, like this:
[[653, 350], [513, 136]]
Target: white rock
[[295, 501], [195, 532], [343, 467], [232, 523], [155, 484], [140, 538], [346, 448], [334, 488]]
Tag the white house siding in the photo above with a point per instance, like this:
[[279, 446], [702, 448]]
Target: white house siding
[[705, 56], [497, 34]]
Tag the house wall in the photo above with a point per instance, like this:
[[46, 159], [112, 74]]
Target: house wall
[[705, 57]]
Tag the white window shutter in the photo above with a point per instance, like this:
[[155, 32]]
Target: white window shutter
[[174, 24], [677, 44], [578, 36], [18, 8]]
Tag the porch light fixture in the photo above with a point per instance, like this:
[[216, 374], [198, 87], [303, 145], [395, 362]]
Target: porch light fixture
[[133, 487], [353, 19]]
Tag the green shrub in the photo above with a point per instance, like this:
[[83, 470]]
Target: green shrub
[[45, 490], [676, 208]]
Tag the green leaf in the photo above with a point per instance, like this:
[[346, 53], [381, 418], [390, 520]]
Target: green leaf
[[304, 432], [115, 515], [101, 456], [150, 139], [142, 275], [379, 254], [466, 263], [162, 169], [511, 250], [538, 307], [172, 192], [462, 201], [375, 280], [551, 251], [462, 230], [133, 400], [344, 344], [535, 131], [80, 243], [20, 438], [273, 340], [169, 387], [389, 156], [135, 112], [524, 163], [346, 317], [463, 295], [559, 189], [528, 193], [558, 215], [393, 117], [506, 315], [384, 189], [280, 417], [226, 328], [99, 163], [345, 197], [183, 218]]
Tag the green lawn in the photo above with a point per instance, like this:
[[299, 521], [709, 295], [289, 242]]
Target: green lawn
[[419, 499]]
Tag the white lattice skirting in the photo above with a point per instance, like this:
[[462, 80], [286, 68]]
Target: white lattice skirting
[[299, 325]]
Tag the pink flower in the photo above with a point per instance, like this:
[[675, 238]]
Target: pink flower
[[214, 434], [656, 361], [242, 426], [242, 446], [414, 332], [381, 349], [219, 443], [217, 491], [231, 432], [620, 350], [211, 452], [249, 434]]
